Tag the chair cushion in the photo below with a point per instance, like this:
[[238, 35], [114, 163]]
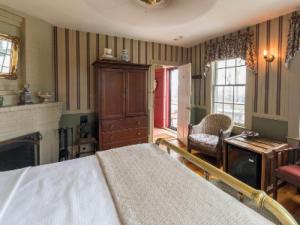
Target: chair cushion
[[290, 173], [205, 141]]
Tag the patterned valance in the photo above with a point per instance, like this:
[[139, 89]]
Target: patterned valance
[[238, 45], [294, 37]]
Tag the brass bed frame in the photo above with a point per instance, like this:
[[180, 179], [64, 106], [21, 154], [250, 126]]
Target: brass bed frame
[[260, 198]]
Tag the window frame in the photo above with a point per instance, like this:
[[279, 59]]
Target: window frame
[[214, 85], [170, 70]]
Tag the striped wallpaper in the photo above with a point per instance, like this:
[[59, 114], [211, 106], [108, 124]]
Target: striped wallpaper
[[270, 91], [75, 51]]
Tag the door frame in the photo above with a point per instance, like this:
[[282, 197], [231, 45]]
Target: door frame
[[151, 78], [170, 71]]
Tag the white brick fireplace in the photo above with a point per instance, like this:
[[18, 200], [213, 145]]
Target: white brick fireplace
[[16, 121]]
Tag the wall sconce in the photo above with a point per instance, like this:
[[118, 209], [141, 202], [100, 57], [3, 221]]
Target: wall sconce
[[268, 57]]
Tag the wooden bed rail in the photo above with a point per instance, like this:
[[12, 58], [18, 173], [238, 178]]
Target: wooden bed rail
[[261, 199]]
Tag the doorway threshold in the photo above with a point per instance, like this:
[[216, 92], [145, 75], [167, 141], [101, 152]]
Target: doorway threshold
[[170, 130]]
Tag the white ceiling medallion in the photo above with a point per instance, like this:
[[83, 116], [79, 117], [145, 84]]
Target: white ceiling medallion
[[153, 4]]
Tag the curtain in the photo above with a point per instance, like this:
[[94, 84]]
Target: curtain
[[239, 45], [293, 45]]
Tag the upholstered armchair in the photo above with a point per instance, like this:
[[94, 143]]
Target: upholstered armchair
[[207, 137], [286, 164]]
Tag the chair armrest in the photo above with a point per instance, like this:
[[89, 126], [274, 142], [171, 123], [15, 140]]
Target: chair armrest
[[194, 129], [276, 153], [225, 133], [190, 129]]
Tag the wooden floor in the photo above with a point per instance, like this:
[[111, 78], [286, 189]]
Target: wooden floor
[[287, 195], [164, 133]]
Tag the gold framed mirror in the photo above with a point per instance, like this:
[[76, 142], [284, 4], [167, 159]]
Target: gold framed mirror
[[9, 55]]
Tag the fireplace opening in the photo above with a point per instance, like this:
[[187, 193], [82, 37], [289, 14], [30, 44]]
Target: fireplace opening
[[20, 152]]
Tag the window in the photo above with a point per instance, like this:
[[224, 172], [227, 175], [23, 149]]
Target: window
[[229, 89]]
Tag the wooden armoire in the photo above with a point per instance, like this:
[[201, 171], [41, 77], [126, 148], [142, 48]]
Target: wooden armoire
[[121, 99]]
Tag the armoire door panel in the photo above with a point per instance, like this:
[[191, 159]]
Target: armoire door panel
[[112, 94], [136, 93], [121, 102]]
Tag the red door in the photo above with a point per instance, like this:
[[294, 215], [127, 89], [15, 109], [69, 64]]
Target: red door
[[160, 102]]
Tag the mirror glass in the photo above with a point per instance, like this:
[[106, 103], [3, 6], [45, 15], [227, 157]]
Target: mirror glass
[[9, 51]]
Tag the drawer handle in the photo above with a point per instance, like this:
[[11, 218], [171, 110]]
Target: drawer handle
[[139, 133], [111, 126], [138, 123]]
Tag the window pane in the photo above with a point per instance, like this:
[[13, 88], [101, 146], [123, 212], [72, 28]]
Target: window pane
[[228, 94], [3, 46], [9, 46], [241, 75], [6, 61], [218, 95], [240, 62], [1, 59], [239, 114], [230, 62], [218, 108], [230, 78], [221, 64], [239, 95], [228, 110], [5, 70], [220, 76]]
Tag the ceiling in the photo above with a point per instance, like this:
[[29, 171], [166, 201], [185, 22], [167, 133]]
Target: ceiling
[[194, 20]]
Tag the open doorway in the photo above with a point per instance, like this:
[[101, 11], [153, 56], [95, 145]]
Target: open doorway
[[171, 102], [165, 102]]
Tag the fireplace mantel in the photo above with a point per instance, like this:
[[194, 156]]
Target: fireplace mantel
[[20, 120]]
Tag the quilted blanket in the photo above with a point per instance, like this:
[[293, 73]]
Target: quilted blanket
[[150, 188]]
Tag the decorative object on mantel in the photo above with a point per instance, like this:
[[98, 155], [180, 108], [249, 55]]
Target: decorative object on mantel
[[107, 54], [125, 56], [293, 45], [249, 134], [1, 100], [238, 45], [26, 97], [45, 96]]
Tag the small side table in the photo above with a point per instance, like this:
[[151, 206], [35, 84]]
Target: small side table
[[260, 148]]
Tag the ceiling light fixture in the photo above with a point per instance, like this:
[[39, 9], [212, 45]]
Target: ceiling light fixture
[[153, 3], [178, 38]]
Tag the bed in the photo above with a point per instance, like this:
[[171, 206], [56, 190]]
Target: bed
[[133, 185]]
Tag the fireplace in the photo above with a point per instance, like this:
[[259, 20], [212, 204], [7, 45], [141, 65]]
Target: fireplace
[[20, 152]]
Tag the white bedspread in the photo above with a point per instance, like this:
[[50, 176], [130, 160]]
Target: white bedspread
[[69, 193], [151, 188], [135, 185]]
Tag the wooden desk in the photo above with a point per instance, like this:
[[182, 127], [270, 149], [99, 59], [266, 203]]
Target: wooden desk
[[263, 147]]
